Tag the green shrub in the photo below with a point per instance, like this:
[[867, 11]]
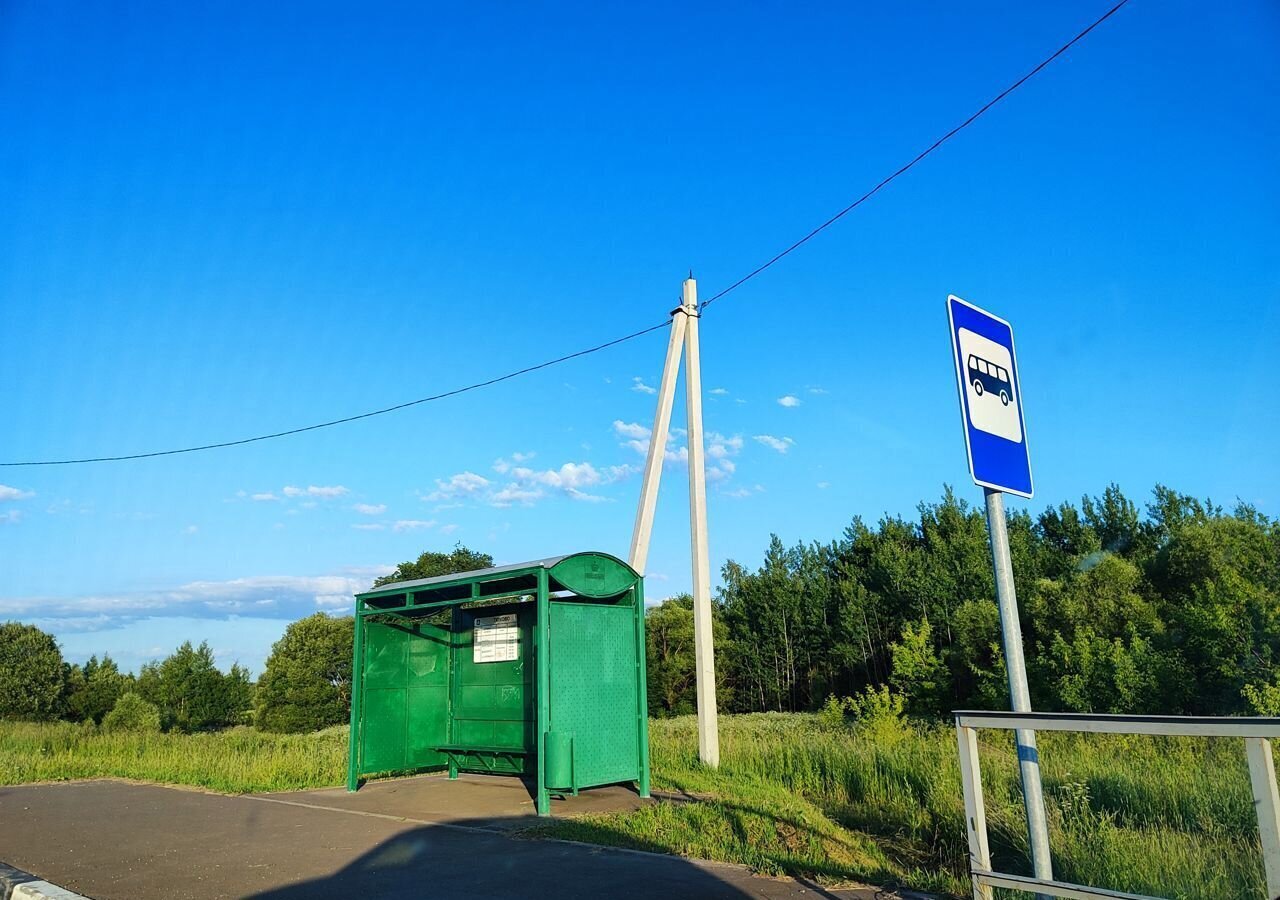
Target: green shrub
[[132, 713], [832, 713]]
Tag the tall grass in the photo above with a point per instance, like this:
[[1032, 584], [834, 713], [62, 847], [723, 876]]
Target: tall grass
[[238, 760], [1170, 816], [795, 794]]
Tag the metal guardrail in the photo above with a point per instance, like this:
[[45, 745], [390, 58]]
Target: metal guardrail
[[1256, 732]]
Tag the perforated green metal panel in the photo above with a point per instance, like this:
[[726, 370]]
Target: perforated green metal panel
[[593, 694]]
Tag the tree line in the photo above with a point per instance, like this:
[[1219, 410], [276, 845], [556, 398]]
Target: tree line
[[1172, 609], [305, 685]]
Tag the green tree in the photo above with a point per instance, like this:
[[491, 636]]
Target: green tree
[[94, 690], [430, 564], [192, 694], [919, 677], [306, 684], [31, 673], [670, 655], [132, 713]]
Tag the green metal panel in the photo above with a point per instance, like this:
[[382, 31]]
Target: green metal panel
[[405, 696], [493, 701], [594, 574], [593, 691], [569, 706]]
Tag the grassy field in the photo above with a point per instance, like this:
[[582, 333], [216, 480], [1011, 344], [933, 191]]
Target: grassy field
[[1171, 817], [235, 761]]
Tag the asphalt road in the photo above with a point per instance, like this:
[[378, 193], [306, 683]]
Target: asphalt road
[[113, 840]]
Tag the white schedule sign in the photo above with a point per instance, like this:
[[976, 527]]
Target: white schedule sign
[[497, 639]]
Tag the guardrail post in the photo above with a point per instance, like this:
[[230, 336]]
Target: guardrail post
[[975, 810], [1262, 773]]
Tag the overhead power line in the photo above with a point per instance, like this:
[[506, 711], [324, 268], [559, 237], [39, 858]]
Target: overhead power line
[[366, 415], [613, 343], [903, 170]]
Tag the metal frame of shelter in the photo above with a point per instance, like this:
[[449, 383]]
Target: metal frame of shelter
[[579, 619]]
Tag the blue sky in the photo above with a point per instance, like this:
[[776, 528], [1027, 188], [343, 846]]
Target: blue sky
[[229, 221]]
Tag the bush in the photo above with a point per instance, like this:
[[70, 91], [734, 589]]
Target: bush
[[877, 713], [132, 713]]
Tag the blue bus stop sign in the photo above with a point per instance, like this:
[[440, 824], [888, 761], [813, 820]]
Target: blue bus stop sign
[[990, 399]]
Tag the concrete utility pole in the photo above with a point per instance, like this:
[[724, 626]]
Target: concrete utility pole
[[1019, 694], [704, 657], [684, 335]]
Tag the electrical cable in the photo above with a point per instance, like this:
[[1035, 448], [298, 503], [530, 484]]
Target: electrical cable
[[932, 147], [377, 412], [534, 368]]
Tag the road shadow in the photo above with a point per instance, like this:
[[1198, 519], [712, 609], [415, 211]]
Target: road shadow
[[484, 860]]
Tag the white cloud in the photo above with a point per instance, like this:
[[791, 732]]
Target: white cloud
[[191, 529], [789, 401], [719, 392], [816, 390], [369, 526], [637, 384], [782, 445], [737, 493], [823, 485], [370, 509], [264, 497], [412, 524], [502, 466], [633, 430], [515, 493], [721, 447], [584, 497], [326, 492], [637, 438], [266, 596], [11, 516], [13, 493], [464, 484], [447, 529], [567, 477]]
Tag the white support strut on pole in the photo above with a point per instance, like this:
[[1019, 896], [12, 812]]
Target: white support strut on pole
[[704, 655], [639, 555], [684, 337]]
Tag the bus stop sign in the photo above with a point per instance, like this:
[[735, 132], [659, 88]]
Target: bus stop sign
[[995, 432]]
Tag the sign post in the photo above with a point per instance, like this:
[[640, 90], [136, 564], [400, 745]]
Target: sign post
[[996, 438]]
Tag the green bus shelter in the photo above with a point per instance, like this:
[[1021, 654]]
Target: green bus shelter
[[535, 669]]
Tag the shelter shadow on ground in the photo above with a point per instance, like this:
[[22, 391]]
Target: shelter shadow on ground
[[444, 861]]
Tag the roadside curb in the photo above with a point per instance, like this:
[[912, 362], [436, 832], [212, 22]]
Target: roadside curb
[[16, 884]]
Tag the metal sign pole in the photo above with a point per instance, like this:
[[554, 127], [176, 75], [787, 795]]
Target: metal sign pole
[[1028, 758]]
